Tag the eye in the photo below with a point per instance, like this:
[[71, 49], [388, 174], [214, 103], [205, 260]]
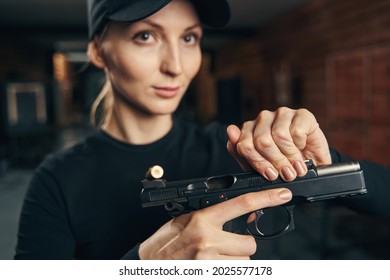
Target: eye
[[143, 37], [191, 39]]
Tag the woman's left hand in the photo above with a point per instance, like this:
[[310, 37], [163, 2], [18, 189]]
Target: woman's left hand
[[278, 143]]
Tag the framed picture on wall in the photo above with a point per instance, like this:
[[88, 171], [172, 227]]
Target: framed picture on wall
[[25, 106]]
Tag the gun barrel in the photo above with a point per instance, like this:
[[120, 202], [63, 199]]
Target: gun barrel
[[337, 168]]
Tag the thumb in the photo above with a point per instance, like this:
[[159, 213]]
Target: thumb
[[234, 134]]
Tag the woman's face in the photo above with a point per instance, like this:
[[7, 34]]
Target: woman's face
[[151, 63]]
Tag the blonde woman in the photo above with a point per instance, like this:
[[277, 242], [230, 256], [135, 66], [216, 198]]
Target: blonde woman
[[84, 202]]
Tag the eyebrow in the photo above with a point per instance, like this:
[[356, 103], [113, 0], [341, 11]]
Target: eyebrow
[[158, 26]]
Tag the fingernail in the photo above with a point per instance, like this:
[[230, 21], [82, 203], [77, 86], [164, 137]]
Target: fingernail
[[300, 167], [271, 174], [285, 195], [288, 174]]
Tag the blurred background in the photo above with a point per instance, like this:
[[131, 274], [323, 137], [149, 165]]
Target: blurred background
[[329, 56]]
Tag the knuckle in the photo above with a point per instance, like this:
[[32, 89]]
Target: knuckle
[[279, 135], [199, 242], [299, 137], [304, 111], [204, 255], [297, 131], [246, 124], [264, 143], [246, 202], [260, 164], [278, 163], [196, 235], [197, 227], [244, 148], [200, 245], [264, 114], [196, 219], [271, 198], [307, 114], [283, 110]]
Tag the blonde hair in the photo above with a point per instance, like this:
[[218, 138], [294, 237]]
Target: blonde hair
[[101, 108]]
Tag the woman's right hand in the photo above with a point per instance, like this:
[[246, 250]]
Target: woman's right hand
[[199, 234]]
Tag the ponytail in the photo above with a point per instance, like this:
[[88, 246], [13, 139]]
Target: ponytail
[[102, 106]]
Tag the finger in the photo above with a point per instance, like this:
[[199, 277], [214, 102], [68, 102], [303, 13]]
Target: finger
[[198, 236], [223, 257], [240, 246], [309, 138], [302, 125], [272, 140], [246, 203], [247, 150], [287, 136], [215, 256], [234, 135], [281, 134], [318, 149]]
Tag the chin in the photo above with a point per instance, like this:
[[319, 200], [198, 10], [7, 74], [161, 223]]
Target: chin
[[159, 111], [164, 109], [164, 112]]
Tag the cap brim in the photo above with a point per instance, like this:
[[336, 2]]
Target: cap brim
[[137, 10], [213, 13]]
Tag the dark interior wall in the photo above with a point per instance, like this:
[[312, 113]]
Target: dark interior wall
[[332, 57], [24, 60]]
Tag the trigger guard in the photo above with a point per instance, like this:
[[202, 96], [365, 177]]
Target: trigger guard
[[254, 230], [174, 209]]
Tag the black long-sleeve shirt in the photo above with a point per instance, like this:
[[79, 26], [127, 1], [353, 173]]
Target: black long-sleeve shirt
[[84, 202]]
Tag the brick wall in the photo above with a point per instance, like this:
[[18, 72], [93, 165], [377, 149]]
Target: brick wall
[[332, 57]]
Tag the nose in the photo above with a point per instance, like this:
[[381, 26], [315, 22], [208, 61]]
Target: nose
[[171, 63]]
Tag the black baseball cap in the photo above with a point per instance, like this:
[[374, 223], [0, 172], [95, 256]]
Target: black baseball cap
[[212, 13]]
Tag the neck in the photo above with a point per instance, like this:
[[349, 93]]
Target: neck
[[137, 128]]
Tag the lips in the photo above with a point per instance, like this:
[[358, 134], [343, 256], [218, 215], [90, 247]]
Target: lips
[[166, 92]]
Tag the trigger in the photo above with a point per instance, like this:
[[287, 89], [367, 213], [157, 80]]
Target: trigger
[[253, 222], [258, 215]]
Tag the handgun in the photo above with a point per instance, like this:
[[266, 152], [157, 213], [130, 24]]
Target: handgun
[[319, 183]]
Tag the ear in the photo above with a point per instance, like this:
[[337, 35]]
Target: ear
[[95, 55]]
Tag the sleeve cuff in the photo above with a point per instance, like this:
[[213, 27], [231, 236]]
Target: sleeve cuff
[[132, 254]]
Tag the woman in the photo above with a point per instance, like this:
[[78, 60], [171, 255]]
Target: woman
[[84, 202]]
